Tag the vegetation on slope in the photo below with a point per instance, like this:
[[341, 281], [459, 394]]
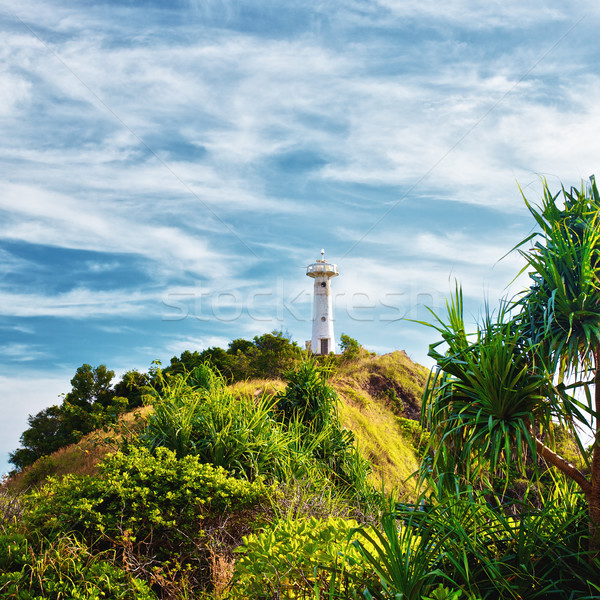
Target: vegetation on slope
[[259, 491], [369, 387]]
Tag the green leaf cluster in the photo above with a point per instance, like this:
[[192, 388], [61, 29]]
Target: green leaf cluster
[[350, 347], [266, 356], [468, 543], [293, 435], [91, 404], [298, 558], [141, 496]]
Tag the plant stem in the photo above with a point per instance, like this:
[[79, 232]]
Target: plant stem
[[570, 470]]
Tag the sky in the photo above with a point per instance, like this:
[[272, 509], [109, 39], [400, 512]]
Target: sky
[[169, 169]]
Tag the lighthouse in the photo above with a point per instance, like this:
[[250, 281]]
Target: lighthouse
[[323, 340]]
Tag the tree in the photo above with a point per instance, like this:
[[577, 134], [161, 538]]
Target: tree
[[561, 314], [46, 434], [494, 393], [132, 386], [272, 355], [91, 385], [90, 404], [349, 346], [238, 346]]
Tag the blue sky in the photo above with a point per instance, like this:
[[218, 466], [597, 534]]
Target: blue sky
[[170, 168]]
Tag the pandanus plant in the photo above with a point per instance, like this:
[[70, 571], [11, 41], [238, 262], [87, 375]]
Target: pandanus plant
[[561, 316], [494, 392]]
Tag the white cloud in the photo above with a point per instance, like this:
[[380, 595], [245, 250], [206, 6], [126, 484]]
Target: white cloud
[[80, 303], [22, 352], [14, 91], [483, 15], [40, 216]]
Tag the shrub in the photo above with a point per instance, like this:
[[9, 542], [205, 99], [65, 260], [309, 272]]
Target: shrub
[[295, 558], [243, 436], [152, 508], [308, 396], [238, 434], [468, 543]]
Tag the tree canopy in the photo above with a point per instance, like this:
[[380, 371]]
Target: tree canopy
[[91, 404], [265, 356]]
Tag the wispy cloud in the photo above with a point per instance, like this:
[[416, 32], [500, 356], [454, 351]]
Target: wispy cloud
[[79, 304], [22, 352], [220, 145]]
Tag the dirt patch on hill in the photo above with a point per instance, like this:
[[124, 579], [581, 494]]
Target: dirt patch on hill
[[400, 400]]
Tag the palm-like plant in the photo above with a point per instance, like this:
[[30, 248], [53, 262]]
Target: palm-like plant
[[484, 395], [492, 393], [561, 315]]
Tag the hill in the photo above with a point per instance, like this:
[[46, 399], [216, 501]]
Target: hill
[[380, 399]]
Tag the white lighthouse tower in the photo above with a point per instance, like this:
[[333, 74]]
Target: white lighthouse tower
[[323, 340]]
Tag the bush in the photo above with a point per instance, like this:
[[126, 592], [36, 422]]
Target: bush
[[308, 396], [243, 436], [152, 508], [295, 558], [265, 357], [238, 434], [468, 543]]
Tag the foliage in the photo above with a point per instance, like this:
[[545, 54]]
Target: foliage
[[297, 558], [243, 435], [153, 508], [266, 356], [309, 407], [485, 393], [91, 404], [210, 422], [272, 355], [133, 386], [406, 561], [141, 493], [494, 394], [467, 543], [63, 570], [91, 385], [308, 396], [562, 307], [350, 347], [11, 510], [497, 396]]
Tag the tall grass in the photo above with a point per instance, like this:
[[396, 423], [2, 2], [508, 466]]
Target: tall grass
[[468, 542], [293, 435]]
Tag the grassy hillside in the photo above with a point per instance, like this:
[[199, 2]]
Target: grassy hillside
[[377, 393]]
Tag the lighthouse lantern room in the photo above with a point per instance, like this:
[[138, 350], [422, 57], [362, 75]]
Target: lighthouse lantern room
[[323, 339]]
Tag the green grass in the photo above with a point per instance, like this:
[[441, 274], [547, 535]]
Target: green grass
[[384, 443]]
